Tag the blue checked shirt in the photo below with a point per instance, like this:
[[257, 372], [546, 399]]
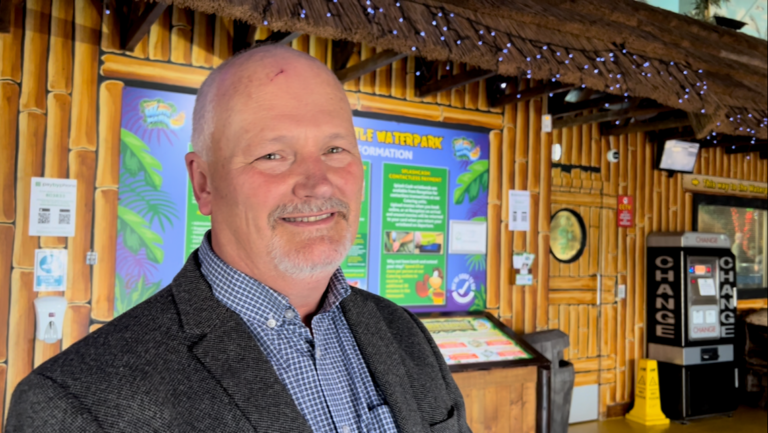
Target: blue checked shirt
[[325, 375]]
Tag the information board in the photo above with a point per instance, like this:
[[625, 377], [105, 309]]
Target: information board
[[424, 185], [465, 340]]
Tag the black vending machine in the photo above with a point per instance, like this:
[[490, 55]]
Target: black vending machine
[[690, 319]]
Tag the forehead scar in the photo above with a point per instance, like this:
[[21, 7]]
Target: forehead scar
[[275, 76]]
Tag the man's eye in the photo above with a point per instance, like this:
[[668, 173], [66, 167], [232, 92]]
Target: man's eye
[[271, 156], [335, 150]]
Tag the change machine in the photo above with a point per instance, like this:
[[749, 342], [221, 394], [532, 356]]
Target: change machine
[[690, 319]]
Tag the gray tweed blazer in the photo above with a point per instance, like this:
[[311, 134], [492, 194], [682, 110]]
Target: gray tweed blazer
[[183, 362]]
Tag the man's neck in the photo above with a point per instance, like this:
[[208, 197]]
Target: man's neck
[[304, 294]]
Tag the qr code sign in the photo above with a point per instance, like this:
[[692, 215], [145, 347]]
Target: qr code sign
[[65, 217], [44, 216]]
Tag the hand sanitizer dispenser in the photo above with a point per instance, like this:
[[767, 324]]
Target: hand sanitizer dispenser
[[50, 317]]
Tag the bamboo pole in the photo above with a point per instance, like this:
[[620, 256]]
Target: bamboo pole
[[182, 17], [181, 45], [105, 244], [594, 240], [565, 321], [30, 164], [160, 38], [110, 32], [82, 165], [458, 94], [6, 251], [518, 309], [202, 41], [383, 79], [542, 299], [583, 330], [318, 48], [399, 79], [367, 81], [576, 146], [593, 331], [573, 331], [521, 169], [60, 55], [9, 111], [505, 271], [507, 171], [56, 148], [33, 86], [21, 330], [471, 92], [110, 107], [534, 148], [10, 48], [142, 49], [83, 120], [554, 322], [493, 271], [596, 143], [530, 294], [76, 322]]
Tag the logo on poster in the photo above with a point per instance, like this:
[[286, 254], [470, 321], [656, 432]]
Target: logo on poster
[[161, 114], [463, 288], [465, 149]]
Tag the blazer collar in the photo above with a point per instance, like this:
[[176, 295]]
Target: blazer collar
[[376, 346], [223, 344]]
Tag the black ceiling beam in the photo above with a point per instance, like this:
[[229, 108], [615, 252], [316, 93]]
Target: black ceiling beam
[[646, 126], [368, 65], [341, 52], [607, 116], [278, 38], [140, 23], [452, 82], [599, 102], [528, 94]]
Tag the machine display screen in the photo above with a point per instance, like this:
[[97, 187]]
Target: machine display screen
[[700, 270]]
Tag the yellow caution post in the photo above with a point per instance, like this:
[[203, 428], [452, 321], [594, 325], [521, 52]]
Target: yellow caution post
[[647, 408]]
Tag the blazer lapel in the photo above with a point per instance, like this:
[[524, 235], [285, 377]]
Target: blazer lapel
[[224, 345], [376, 346]]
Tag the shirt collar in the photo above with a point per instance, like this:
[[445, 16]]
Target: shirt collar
[[251, 299]]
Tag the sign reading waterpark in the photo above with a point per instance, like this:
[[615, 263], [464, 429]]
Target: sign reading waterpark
[[418, 180]]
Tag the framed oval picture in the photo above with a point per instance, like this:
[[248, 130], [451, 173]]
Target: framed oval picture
[[568, 236]]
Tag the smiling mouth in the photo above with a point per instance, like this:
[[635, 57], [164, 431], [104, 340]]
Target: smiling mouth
[[309, 219]]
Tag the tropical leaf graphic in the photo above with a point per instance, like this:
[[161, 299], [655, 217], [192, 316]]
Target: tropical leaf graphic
[[153, 205], [137, 159], [126, 299], [479, 304], [472, 182], [137, 234], [133, 266]]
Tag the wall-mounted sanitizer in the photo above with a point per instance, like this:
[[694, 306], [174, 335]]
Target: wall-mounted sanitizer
[[691, 316], [50, 317]]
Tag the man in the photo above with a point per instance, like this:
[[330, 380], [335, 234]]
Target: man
[[259, 331]]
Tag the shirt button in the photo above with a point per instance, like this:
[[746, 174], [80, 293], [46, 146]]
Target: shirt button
[[317, 353], [345, 429], [289, 314], [271, 323]]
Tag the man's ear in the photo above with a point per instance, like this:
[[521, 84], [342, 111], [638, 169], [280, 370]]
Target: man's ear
[[201, 185]]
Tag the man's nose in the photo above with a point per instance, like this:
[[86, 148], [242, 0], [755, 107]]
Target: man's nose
[[313, 179]]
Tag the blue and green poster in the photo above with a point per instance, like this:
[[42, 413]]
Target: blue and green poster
[[153, 215], [419, 180]]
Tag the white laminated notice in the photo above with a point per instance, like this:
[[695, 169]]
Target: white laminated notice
[[468, 237], [519, 210], [52, 206], [698, 317], [707, 287], [711, 316]]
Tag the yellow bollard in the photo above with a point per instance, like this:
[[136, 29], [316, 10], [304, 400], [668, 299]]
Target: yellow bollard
[[647, 408]]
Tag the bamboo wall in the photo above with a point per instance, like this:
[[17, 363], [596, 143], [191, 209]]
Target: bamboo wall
[[60, 117]]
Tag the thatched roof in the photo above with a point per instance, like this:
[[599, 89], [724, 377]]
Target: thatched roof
[[615, 46]]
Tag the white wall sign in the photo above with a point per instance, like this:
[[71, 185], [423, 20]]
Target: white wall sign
[[52, 206], [468, 237], [50, 270], [519, 210]]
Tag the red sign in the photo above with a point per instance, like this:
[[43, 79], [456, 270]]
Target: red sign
[[626, 211]]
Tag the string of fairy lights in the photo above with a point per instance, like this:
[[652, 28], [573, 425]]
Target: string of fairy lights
[[687, 82]]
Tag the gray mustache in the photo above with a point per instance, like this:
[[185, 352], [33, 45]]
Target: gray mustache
[[315, 206]]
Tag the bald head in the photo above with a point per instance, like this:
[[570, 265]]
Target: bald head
[[272, 71]]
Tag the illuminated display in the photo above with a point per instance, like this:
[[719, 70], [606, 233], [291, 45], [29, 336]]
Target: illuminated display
[[699, 270]]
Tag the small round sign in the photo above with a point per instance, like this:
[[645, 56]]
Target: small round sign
[[568, 236]]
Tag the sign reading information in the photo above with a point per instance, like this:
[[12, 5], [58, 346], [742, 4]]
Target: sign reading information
[[724, 185], [52, 206]]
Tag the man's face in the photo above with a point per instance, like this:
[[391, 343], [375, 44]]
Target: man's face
[[285, 173]]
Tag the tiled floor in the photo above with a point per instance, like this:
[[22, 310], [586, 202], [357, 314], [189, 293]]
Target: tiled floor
[[745, 420]]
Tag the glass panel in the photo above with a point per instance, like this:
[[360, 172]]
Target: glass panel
[[746, 228]]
